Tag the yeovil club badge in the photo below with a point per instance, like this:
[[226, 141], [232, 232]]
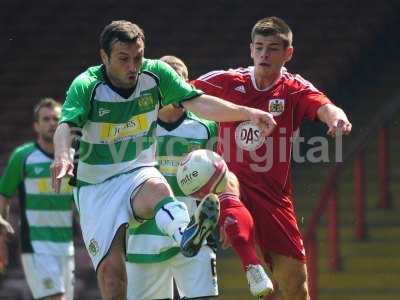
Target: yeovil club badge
[[276, 106]]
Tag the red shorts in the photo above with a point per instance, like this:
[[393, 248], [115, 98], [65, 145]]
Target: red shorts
[[276, 226]]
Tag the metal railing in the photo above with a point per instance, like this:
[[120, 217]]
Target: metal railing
[[329, 198]]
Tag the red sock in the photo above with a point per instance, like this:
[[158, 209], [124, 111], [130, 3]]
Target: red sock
[[239, 227]]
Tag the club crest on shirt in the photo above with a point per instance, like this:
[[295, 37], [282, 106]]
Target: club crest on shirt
[[276, 106], [145, 102]]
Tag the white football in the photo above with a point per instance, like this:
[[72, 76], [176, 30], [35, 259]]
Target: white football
[[202, 172]]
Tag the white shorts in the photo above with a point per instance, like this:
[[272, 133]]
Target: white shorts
[[194, 276], [49, 275], [104, 207]]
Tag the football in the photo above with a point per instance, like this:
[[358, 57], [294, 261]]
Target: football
[[202, 172]]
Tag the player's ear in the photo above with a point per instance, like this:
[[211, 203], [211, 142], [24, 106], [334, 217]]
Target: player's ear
[[104, 57], [251, 50], [289, 53], [36, 126]]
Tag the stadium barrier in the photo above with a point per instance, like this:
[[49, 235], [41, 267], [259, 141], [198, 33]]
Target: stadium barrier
[[328, 200]]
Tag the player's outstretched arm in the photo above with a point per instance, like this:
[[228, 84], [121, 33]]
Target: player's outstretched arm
[[335, 118], [216, 109], [63, 163]]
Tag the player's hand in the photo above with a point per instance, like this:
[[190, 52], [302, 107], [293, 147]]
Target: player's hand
[[339, 125], [335, 118], [263, 119], [60, 168], [5, 226], [223, 238]]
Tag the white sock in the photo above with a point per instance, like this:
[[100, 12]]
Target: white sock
[[172, 218]]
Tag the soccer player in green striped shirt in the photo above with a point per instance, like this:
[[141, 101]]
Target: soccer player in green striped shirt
[[116, 106], [46, 217]]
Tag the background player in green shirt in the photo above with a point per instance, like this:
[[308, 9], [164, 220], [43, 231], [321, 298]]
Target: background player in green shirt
[[116, 107], [153, 259], [46, 217], [153, 262]]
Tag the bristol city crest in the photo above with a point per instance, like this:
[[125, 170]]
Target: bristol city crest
[[276, 106], [248, 136]]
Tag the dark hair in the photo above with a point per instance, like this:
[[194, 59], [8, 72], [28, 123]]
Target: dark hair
[[44, 102], [273, 26], [119, 31]]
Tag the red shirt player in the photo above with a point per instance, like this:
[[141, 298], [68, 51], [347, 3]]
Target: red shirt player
[[262, 165]]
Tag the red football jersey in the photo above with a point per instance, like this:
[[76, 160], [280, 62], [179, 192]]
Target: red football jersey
[[262, 163]]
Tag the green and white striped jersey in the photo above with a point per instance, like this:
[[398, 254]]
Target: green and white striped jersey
[[118, 133], [46, 217], [147, 244]]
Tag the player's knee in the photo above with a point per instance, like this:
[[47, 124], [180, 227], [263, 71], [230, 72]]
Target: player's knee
[[158, 187], [297, 289], [294, 284], [113, 280], [233, 184], [151, 192], [116, 288]]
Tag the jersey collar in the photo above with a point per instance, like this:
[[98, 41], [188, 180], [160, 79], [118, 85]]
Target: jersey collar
[[174, 125], [125, 93], [49, 155], [253, 79]]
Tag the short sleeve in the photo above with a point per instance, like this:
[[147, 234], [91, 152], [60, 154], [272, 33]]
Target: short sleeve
[[76, 107], [213, 128], [211, 83], [173, 88], [308, 100], [13, 174]]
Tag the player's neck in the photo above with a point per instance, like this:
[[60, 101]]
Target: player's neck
[[116, 86], [45, 146], [264, 81]]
